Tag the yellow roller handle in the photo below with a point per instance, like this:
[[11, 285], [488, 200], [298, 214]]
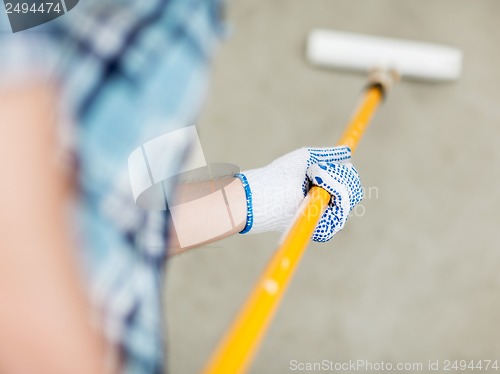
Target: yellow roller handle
[[238, 347]]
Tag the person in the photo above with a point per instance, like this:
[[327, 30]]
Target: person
[[80, 263]]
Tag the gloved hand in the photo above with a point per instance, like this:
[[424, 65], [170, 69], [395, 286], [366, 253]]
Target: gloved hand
[[275, 191]]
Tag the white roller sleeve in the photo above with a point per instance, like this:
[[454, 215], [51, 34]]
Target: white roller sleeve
[[360, 52]]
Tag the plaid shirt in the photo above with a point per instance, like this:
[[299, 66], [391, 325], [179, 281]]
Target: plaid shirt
[[128, 71]]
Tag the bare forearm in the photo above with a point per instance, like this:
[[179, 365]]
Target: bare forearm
[[210, 216]]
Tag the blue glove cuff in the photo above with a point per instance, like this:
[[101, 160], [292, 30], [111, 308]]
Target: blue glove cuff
[[248, 194]]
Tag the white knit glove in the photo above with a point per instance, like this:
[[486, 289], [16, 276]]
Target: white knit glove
[[275, 191]]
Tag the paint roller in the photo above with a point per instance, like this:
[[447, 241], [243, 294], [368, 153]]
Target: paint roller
[[412, 60], [385, 61]]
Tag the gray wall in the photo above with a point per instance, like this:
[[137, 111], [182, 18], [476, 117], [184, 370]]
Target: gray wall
[[414, 278]]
